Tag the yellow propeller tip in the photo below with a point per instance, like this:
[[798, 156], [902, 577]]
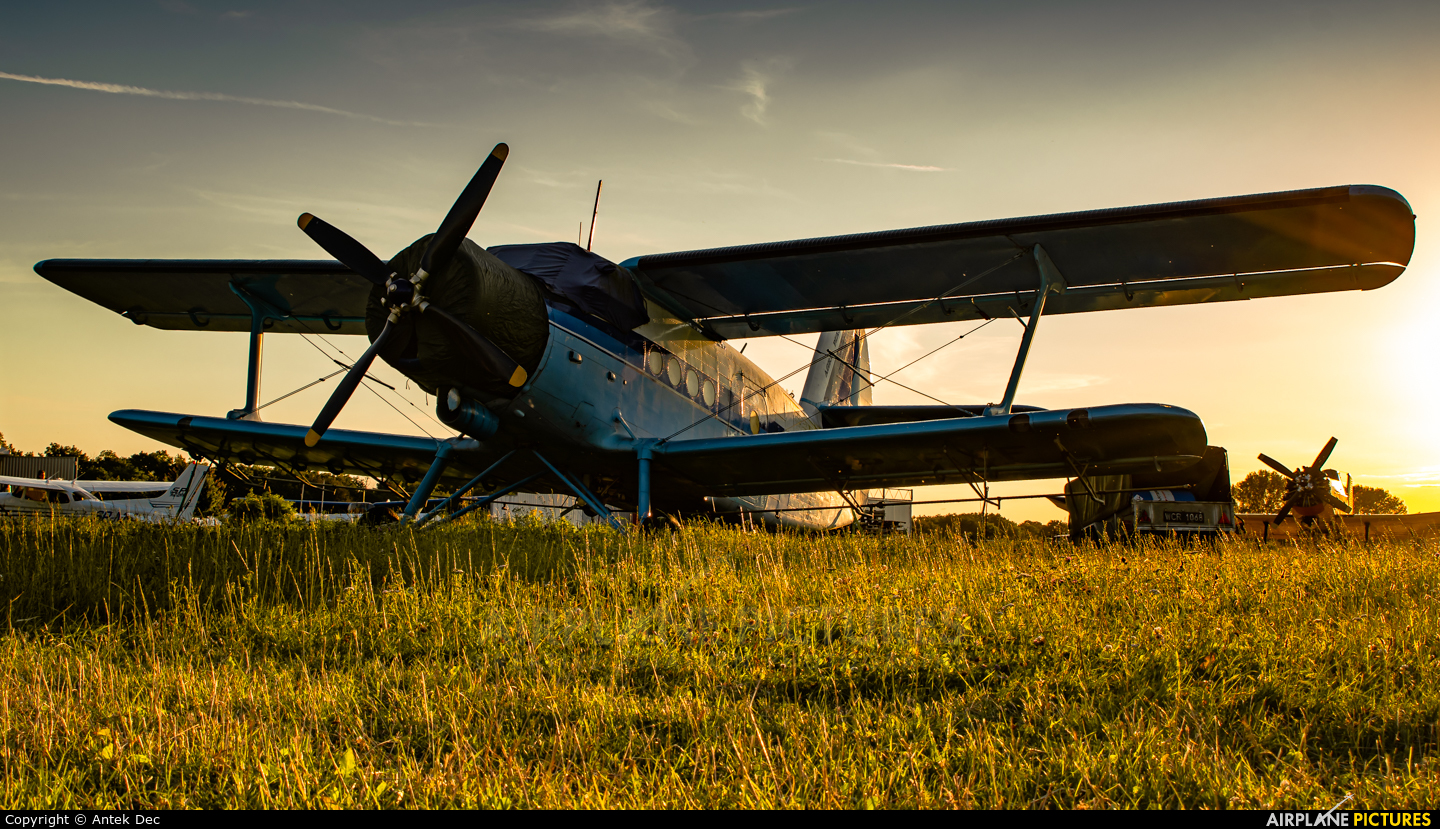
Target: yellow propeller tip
[[518, 378], [304, 220], [312, 437], [501, 151]]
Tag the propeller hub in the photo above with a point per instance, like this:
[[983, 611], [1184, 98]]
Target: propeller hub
[[399, 293]]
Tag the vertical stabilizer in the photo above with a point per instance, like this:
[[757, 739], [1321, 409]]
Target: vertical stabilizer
[[840, 374], [184, 495]]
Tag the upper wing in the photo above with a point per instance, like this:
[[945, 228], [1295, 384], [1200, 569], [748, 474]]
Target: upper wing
[[1104, 440], [1271, 244], [306, 296]]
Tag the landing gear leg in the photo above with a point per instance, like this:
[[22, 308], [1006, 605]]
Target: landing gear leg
[[642, 505]]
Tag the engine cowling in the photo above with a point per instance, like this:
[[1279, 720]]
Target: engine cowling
[[500, 302]]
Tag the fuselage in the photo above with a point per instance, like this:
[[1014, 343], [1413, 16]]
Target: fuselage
[[599, 390]]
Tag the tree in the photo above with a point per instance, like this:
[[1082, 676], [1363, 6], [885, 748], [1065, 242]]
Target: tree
[[1259, 492], [55, 450], [970, 525], [1372, 500]]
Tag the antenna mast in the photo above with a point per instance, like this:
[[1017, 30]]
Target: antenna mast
[[594, 213]]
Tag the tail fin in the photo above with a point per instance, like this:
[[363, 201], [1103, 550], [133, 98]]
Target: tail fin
[[840, 376], [184, 494]]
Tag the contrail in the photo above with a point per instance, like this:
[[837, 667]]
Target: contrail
[[125, 89], [917, 167]]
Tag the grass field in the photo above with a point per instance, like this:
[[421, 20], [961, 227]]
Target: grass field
[[523, 666]]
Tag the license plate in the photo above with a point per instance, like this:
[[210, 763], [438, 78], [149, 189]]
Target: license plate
[[1184, 517]]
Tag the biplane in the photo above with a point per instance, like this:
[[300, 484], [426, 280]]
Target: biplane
[[561, 371]]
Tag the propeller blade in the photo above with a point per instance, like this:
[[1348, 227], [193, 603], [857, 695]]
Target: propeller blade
[[1324, 455], [340, 245], [479, 348], [1284, 510], [1335, 502], [347, 386], [462, 214], [1276, 465]]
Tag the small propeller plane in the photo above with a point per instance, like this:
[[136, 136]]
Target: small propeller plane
[[174, 501], [1312, 492], [562, 371]]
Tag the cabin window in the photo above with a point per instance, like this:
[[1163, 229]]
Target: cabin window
[[655, 361], [708, 393], [692, 382], [673, 371]]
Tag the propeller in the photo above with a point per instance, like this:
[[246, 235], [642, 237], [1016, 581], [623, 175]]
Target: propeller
[[402, 293], [1308, 486]]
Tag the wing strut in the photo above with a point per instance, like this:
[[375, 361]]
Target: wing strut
[[1050, 282], [260, 313]]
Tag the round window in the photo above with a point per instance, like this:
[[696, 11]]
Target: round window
[[655, 362], [709, 392], [692, 382], [674, 370]]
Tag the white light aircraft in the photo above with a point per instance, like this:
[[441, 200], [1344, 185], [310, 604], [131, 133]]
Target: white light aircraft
[[174, 501]]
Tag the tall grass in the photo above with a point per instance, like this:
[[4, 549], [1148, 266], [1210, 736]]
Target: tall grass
[[498, 665]]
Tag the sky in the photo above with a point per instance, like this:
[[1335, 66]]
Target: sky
[[180, 129]]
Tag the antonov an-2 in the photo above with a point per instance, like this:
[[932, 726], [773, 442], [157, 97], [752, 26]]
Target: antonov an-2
[[562, 371]]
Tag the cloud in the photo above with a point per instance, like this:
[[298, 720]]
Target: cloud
[[755, 80], [848, 142], [124, 89], [356, 213], [915, 167], [663, 110], [1425, 476], [636, 23], [749, 16]]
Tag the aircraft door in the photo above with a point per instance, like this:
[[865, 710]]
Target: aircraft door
[[756, 406]]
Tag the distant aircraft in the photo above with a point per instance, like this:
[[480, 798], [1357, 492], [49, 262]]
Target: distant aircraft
[[563, 371], [175, 501], [1312, 492]]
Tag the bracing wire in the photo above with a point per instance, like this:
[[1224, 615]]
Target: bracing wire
[[818, 357], [342, 353]]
